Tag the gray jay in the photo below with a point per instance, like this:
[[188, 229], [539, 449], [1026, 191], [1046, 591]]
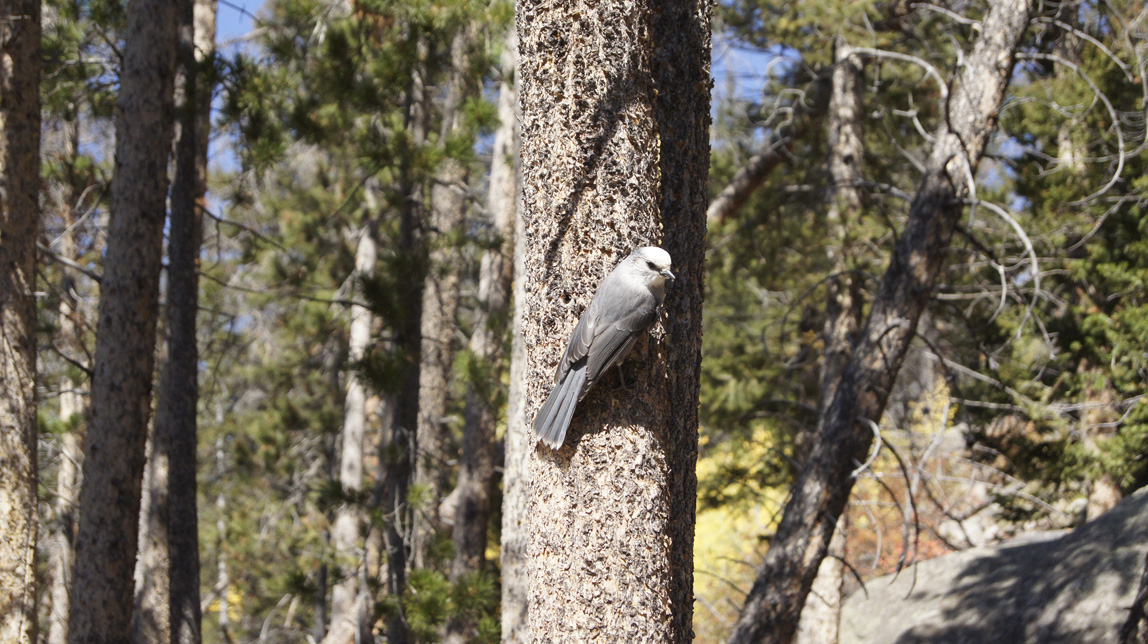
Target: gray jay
[[624, 307]]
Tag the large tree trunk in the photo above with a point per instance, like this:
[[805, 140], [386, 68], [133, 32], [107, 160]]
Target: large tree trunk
[[844, 436], [472, 495], [440, 303], [349, 599], [821, 615], [19, 225], [613, 101], [101, 603]]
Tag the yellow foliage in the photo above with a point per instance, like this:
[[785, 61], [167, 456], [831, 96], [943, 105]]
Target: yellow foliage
[[728, 540], [233, 600]]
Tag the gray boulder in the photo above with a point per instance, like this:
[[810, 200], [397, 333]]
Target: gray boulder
[[1054, 588]]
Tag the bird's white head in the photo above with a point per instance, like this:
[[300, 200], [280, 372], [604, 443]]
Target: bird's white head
[[653, 264]]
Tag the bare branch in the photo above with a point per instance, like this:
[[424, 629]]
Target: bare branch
[[930, 70]]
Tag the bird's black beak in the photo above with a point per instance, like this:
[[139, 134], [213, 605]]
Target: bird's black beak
[[668, 275]]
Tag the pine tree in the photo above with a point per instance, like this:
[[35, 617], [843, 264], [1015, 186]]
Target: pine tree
[[101, 599]]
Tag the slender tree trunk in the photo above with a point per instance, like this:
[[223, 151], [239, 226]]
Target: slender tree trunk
[[774, 603], [349, 621], [222, 575], [167, 574], [621, 103], [72, 402], [101, 603], [150, 619], [397, 450], [821, 615], [19, 225], [519, 442], [476, 467], [167, 585], [440, 304], [188, 201]]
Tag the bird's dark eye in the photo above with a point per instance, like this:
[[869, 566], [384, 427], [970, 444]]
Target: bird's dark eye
[[651, 265]]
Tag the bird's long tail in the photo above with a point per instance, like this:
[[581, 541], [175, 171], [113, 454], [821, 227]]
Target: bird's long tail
[[553, 419]]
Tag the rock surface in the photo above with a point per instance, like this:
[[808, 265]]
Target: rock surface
[[1054, 588]]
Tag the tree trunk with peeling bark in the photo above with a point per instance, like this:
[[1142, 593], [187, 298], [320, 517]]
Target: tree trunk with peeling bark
[[19, 225], [614, 159], [101, 600], [472, 496], [844, 437]]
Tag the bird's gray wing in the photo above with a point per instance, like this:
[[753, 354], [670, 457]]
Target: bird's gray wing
[[579, 345], [616, 337]]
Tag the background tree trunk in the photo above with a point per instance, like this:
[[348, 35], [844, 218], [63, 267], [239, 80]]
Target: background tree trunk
[[611, 513], [440, 305], [179, 382], [101, 603], [19, 223], [476, 465], [519, 443], [774, 604], [821, 615], [397, 462], [167, 585], [349, 621], [73, 403]]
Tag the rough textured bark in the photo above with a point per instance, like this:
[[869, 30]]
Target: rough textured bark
[[775, 601], [476, 464], [167, 573], [681, 67], [821, 615], [19, 223], [440, 304], [1135, 628], [615, 116], [349, 598], [101, 601], [179, 417], [843, 303]]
